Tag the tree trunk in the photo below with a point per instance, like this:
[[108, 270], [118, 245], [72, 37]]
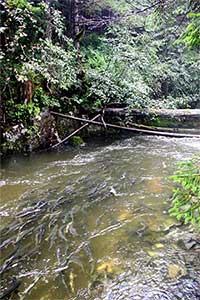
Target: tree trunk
[[49, 18], [28, 91], [76, 26], [76, 7]]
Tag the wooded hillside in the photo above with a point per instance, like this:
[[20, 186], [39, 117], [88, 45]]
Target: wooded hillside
[[70, 55]]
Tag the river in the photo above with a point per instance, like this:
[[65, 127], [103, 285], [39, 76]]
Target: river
[[93, 223]]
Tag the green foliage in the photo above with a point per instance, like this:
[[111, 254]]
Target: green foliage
[[130, 64], [17, 3], [42, 99], [136, 62], [191, 35], [50, 63], [28, 54], [186, 197], [76, 141], [16, 112]]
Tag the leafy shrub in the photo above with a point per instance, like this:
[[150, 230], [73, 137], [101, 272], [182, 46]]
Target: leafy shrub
[[42, 99], [18, 112], [191, 35], [30, 55], [186, 196], [142, 70]]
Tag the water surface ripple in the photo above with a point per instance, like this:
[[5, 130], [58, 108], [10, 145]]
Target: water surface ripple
[[92, 223]]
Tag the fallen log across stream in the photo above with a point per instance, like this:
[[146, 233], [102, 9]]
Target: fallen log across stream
[[132, 129]]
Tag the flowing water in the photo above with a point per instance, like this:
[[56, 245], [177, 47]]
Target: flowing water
[[92, 223]]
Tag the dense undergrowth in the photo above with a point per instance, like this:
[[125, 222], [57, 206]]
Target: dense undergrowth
[[133, 60]]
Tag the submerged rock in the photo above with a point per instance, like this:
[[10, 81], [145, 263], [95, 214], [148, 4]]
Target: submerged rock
[[176, 271], [111, 266]]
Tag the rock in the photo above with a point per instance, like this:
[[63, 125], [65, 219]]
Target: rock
[[40, 134], [15, 139], [184, 238], [176, 271], [188, 243], [46, 133]]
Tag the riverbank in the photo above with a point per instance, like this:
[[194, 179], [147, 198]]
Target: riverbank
[[48, 129]]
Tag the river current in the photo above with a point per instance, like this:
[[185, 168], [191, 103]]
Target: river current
[[93, 223]]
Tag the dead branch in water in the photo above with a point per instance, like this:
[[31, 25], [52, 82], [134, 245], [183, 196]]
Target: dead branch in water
[[133, 129], [74, 132]]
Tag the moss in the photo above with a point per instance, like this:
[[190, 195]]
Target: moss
[[76, 141], [163, 122]]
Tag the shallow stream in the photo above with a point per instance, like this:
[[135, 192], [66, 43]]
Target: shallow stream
[[93, 223]]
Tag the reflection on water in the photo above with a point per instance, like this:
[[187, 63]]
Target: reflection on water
[[91, 223]]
